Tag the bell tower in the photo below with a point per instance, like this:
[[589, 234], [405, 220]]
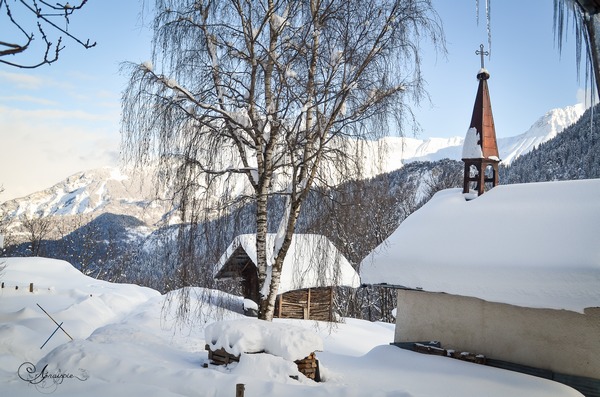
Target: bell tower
[[480, 150]]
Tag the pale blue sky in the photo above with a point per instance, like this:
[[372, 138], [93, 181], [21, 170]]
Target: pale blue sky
[[528, 75], [60, 119]]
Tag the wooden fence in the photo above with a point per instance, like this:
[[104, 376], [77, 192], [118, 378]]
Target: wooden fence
[[17, 287]]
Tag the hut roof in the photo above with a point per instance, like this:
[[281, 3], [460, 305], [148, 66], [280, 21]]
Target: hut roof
[[532, 245], [312, 261]]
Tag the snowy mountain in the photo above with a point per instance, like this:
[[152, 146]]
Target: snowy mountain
[[573, 154], [110, 190], [94, 192], [544, 129]]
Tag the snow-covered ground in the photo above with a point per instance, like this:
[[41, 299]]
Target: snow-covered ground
[[125, 343]]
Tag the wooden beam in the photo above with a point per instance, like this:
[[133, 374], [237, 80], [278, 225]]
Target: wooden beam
[[280, 304], [308, 305], [330, 303]]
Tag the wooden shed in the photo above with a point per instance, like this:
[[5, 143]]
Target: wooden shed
[[312, 269]]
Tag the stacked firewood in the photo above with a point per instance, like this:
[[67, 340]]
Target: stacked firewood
[[221, 357], [436, 349], [308, 366]]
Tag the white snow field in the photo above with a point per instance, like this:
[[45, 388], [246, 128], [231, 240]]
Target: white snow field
[[125, 343]]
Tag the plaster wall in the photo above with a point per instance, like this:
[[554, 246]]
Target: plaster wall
[[558, 340]]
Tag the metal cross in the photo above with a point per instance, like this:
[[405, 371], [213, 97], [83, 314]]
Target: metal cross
[[481, 52]]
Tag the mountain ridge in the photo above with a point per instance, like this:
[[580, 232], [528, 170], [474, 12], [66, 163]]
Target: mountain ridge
[[115, 191], [542, 130]]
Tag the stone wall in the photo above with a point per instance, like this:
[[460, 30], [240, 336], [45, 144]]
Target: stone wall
[[557, 340]]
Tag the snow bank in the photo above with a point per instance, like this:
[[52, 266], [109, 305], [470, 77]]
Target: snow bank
[[50, 275], [532, 245], [81, 302], [256, 336], [249, 304], [137, 349], [272, 368]]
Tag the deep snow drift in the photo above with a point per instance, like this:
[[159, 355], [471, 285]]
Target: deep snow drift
[[126, 344]]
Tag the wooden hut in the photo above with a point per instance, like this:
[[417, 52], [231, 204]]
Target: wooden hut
[[313, 267]]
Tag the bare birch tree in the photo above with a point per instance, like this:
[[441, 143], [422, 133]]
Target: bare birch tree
[[252, 99]]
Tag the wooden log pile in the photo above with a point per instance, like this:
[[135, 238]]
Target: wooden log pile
[[466, 356], [437, 350], [308, 366], [221, 357], [428, 349]]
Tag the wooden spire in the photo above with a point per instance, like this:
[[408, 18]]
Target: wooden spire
[[480, 150]]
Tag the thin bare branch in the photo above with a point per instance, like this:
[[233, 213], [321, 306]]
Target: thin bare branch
[[39, 11]]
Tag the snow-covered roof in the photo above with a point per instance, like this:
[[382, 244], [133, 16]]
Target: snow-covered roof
[[532, 245], [312, 261]]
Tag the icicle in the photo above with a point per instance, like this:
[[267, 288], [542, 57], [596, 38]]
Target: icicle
[[593, 103], [592, 123], [488, 23], [488, 16]]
